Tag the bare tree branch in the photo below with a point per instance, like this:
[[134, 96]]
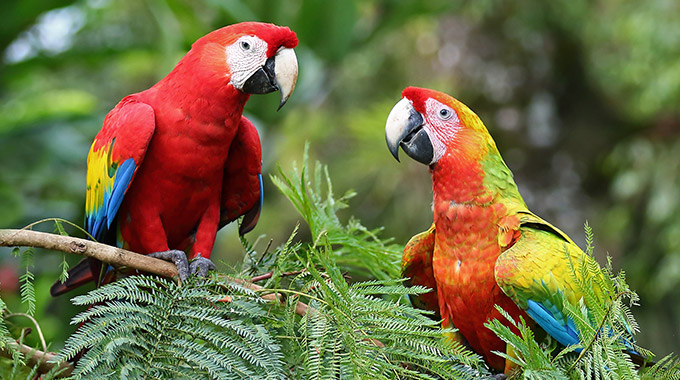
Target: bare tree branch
[[99, 251]]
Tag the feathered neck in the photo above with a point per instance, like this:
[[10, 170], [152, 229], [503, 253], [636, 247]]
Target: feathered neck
[[472, 171], [459, 176]]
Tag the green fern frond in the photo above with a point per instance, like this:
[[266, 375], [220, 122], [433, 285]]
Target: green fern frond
[[5, 336], [535, 361], [667, 368], [64, 267], [148, 326], [356, 248], [590, 238], [27, 287], [357, 332]]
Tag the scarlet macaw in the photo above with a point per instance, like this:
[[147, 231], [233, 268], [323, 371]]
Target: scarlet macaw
[[485, 247], [174, 163]]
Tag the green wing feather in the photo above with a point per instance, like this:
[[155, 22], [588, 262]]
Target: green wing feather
[[541, 269], [540, 261]]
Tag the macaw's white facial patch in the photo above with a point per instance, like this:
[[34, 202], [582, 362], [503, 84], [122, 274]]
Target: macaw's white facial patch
[[442, 125], [245, 57]]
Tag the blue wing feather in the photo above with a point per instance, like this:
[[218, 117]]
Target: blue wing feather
[[251, 217], [562, 329], [123, 178], [554, 323], [100, 221], [259, 176]]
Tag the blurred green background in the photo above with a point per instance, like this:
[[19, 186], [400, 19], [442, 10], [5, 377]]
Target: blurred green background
[[582, 97]]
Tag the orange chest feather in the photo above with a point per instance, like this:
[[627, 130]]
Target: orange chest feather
[[467, 245]]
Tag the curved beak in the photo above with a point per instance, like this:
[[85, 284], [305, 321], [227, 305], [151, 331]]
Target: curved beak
[[404, 128], [278, 73], [286, 70]]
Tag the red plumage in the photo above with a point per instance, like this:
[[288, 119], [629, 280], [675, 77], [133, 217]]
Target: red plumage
[[174, 163]]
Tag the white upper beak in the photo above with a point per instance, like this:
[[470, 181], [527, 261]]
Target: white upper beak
[[286, 72]]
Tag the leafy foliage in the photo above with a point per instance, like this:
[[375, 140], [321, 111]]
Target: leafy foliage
[[534, 360], [667, 368], [353, 331], [150, 327], [5, 337], [16, 365], [355, 246]]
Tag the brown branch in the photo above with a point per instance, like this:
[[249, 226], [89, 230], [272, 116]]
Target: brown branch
[[261, 277], [99, 251], [111, 255], [44, 360], [269, 275], [300, 308]]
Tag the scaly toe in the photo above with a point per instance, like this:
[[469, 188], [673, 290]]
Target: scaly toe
[[179, 258], [200, 266]]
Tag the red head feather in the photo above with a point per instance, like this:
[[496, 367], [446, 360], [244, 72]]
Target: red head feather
[[419, 95], [275, 36]]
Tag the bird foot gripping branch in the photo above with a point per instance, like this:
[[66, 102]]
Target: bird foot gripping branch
[[175, 163], [199, 266]]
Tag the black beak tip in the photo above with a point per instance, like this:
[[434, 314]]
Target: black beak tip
[[281, 105], [394, 149], [395, 154]]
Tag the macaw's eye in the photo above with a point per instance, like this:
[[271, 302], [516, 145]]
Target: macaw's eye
[[245, 45], [445, 113]]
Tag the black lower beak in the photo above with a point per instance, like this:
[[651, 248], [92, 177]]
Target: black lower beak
[[404, 129], [418, 146], [263, 81]]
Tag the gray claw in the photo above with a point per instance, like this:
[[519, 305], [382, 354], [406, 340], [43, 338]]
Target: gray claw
[[179, 258], [200, 266]]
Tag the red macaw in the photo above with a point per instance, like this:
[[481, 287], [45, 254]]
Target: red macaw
[[485, 247], [174, 163]]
